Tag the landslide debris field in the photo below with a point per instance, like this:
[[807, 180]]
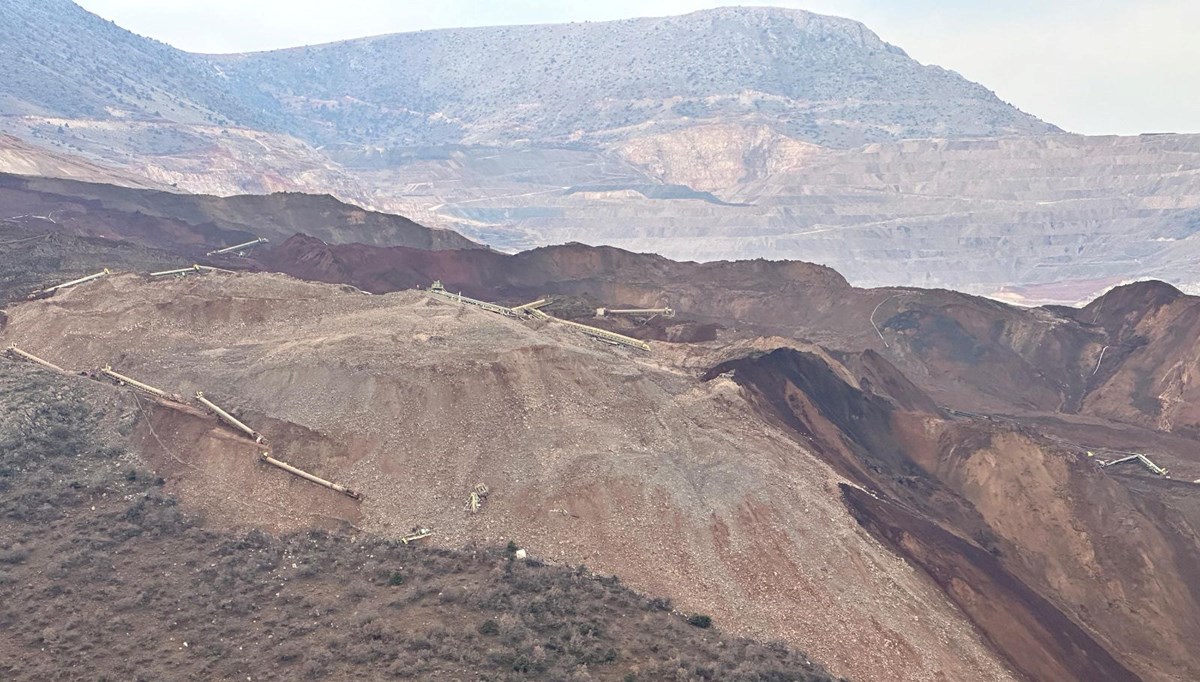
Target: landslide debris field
[[103, 575], [891, 480], [592, 454]]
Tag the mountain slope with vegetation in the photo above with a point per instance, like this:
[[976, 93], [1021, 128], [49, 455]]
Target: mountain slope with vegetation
[[57, 59], [821, 79]]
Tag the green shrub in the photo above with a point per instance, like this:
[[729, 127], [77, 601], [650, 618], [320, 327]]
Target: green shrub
[[700, 620], [659, 604], [490, 628]]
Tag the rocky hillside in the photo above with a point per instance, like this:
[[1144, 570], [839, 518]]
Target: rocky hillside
[[995, 217], [627, 464], [1054, 218], [23, 158], [822, 79], [57, 59]]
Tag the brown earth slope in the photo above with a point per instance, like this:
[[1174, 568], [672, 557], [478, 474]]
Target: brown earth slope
[[1035, 542], [1150, 372], [592, 454], [1114, 375], [192, 222], [967, 352], [104, 576], [969, 419]]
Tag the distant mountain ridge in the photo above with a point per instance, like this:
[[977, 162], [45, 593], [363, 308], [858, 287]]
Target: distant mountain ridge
[[721, 134], [57, 59], [817, 78], [821, 79]]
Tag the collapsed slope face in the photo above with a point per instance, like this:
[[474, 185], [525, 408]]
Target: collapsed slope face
[[968, 352], [1071, 572], [1129, 355], [34, 259], [1150, 372], [591, 454], [649, 456]]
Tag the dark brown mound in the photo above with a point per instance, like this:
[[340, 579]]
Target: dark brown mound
[[1125, 306], [194, 224]]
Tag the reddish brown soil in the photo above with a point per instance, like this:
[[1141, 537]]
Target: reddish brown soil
[[1021, 533], [1041, 641]]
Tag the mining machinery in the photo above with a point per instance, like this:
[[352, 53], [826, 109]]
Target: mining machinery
[[437, 289], [239, 248], [604, 335], [1140, 459], [184, 272], [266, 458], [532, 305], [230, 419], [50, 291], [15, 352], [476, 498], [417, 533], [644, 312], [533, 310], [145, 388]]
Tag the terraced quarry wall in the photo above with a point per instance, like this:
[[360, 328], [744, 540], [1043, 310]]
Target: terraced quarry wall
[[1048, 219]]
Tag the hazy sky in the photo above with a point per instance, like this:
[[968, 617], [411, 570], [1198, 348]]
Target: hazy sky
[[1090, 66]]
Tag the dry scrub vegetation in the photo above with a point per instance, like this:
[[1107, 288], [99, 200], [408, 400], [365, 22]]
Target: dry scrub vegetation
[[104, 577]]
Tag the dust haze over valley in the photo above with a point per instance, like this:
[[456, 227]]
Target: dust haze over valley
[[675, 348]]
